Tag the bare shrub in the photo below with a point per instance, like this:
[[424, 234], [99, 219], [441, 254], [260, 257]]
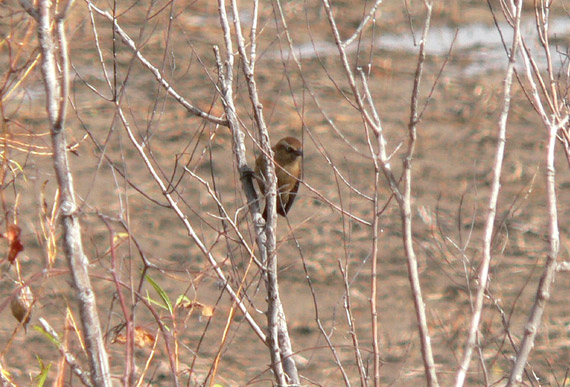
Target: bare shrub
[[424, 240]]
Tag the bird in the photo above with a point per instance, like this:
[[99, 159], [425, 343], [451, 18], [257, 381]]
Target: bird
[[287, 156]]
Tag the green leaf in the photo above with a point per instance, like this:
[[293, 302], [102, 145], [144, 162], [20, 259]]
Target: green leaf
[[162, 294], [41, 330], [182, 298], [42, 377]]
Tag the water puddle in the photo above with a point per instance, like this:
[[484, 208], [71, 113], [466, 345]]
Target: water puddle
[[478, 45]]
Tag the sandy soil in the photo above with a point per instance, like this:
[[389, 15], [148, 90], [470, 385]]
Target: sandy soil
[[451, 168]]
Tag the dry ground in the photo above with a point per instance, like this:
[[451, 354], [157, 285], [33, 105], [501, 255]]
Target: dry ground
[[452, 166]]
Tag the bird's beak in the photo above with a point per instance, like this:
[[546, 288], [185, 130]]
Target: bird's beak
[[299, 152]]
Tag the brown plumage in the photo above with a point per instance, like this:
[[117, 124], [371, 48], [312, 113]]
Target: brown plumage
[[288, 154]]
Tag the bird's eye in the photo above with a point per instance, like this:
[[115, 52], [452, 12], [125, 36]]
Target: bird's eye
[[289, 149]]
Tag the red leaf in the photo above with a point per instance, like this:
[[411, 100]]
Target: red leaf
[[13, 236]]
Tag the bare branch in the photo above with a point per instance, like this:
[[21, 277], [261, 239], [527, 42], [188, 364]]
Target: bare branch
[[282, 362], [492, 206], [77, 261], [28, 6], [363, 23], [547, 278], [158, 76], [175, 207], [69, 358], [403, 198], [406, 211]]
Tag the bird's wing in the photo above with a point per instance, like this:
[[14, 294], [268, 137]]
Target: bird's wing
[[259, 175], [292, 196]]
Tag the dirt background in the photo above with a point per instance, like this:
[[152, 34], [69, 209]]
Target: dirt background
[[451, 169]]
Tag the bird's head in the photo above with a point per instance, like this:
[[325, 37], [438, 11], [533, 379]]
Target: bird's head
[[287, 150]]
